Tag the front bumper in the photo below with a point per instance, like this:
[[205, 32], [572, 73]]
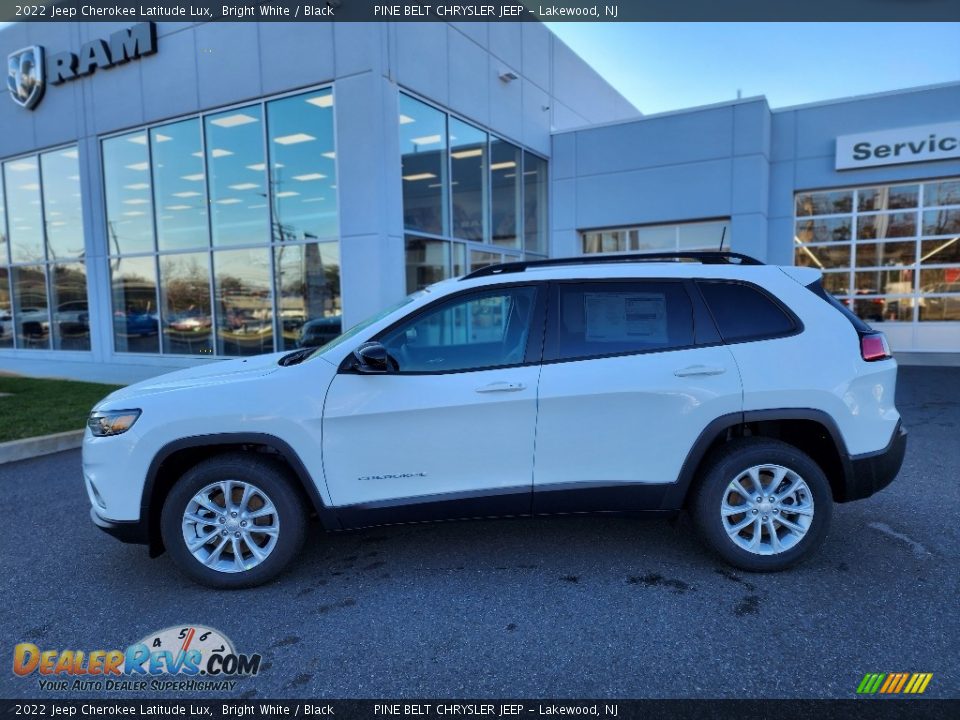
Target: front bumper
[[128, 531], [872, 472]]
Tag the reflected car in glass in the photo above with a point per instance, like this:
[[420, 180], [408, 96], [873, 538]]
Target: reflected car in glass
[[135, 323], [73, 318], [320, 331]]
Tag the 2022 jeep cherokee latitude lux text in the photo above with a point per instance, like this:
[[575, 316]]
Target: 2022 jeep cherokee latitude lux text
[[739, 391]]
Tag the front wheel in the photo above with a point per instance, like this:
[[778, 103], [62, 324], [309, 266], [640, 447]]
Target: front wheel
[[233, 521], [762, 505]]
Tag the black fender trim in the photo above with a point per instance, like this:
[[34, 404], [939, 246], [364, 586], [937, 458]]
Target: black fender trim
[[676, 493], [327, 518]]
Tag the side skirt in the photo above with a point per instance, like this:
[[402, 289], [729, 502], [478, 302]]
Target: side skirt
[[583, 499]]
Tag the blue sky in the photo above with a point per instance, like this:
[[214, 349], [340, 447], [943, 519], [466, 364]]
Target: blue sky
[[667, 66]]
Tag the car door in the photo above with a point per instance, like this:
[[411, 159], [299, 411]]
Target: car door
[[633, 372], [450, 431]]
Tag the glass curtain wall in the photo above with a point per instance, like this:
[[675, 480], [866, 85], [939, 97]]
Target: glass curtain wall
[[43, 279], [677, 237], [890, 252], [223, 230], [470, 198]]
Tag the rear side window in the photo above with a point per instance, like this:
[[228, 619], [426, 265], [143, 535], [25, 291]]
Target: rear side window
[[612, 318], [744, 312]]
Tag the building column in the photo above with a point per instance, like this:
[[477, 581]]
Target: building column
[[368, 186]]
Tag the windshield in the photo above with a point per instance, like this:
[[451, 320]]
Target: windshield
[[363, 325]]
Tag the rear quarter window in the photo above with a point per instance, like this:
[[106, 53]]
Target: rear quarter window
[[859, 325], [745, 312]]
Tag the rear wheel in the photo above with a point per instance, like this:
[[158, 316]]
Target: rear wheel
[[762, 505], [233, 521]]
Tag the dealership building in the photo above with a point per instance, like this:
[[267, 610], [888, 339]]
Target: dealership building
[[174, 193]]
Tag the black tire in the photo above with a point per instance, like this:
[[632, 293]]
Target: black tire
[[261, 472], [728, 463]]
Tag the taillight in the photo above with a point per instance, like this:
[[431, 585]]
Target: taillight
[[873, 346]]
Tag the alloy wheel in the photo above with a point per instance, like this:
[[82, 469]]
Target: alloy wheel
[[767, 509], [230, 526]]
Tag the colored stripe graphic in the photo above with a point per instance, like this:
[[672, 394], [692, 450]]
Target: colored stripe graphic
[[870, 683], [903, 680], [918, 683], [894, 683]]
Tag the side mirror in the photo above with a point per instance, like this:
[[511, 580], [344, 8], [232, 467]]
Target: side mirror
[[372, 357]]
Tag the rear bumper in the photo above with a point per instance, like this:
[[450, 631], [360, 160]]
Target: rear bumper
[[132, 531], [872, 472]]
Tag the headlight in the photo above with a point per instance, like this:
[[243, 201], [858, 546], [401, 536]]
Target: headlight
[[111, 422]]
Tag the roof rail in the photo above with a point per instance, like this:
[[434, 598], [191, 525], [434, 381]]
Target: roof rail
[[705, 257]]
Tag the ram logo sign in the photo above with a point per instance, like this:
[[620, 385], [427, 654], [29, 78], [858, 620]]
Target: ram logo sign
[[29, 72], [25, 79]]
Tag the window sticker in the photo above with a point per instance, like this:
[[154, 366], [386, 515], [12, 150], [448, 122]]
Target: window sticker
[[625, 317]]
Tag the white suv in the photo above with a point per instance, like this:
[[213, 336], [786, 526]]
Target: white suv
[[707, 381]]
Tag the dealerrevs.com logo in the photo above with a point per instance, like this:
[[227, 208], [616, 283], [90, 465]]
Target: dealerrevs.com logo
[[180, 658]]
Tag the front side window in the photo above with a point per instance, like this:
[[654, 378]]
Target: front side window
[[474, 332], [613, 318]]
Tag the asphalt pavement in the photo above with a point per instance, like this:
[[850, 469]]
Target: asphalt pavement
[[567, 607]]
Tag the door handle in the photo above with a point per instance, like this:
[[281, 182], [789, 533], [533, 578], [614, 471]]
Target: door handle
[[695, 370], [501, 387]]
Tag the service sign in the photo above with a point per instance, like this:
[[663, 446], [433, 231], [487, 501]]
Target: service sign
[[895, 147]]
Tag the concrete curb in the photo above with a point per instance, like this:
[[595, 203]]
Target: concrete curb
[[37, 446]]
